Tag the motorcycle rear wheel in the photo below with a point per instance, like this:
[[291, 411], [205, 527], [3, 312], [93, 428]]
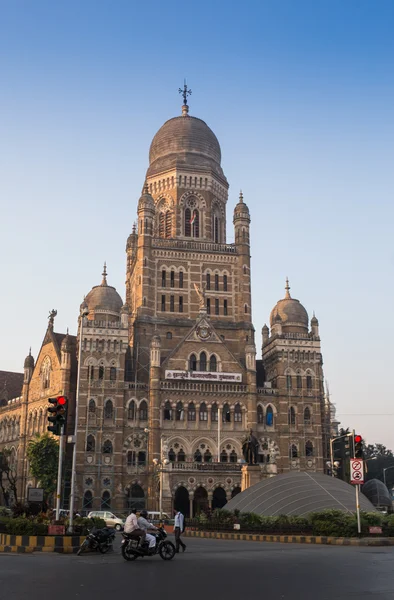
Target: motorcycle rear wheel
[[167, 550], [128, 555], [84, 547], [104, 548]]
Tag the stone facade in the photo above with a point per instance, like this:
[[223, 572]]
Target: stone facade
[[169, 382]]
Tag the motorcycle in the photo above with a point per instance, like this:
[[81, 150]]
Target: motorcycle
[[131, 548], [98, 539]]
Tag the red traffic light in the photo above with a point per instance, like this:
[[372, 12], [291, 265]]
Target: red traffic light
[[62, 400], [358, 439]]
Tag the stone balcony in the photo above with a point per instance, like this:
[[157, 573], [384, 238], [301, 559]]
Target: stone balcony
[[215, 388], [197, 466], [175, 244]]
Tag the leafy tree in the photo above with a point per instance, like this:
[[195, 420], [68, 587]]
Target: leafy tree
[[43, 454], [8, 476]]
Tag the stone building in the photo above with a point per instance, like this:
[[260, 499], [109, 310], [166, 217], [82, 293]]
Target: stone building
[[169, 381]]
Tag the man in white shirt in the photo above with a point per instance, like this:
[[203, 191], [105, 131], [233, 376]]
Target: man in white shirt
[[144, 524], [132, 528], [179, 527]]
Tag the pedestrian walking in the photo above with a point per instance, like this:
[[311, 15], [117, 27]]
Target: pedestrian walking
[[179, 527]]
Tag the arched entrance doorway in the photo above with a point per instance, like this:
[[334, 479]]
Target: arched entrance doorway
[[200, 501], [236, 490], [87, 500], [219, 498], [181, 501], [136, 497]]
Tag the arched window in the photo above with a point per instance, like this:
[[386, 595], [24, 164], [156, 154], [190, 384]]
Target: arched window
[[233, 456], [191, 412], [181, 457], [193, 363], [167, 411], [237, 414], [214, 413], [143, 410], [197, 456], [188, 227], [171, 455], [293, 451], [308, 382], [163, 278], [203, 361], [92, 406], [90, 444], [130, 458], [223, 456], [216, 282], [168, 230], [299, 382], [207, 456], [292, 416], [181, 279], [101, 372], [172, 279], [106, 501], [307, 416], [226, 414], [131, 411], [208, 281], [91, 372], [309, 448], [224, 283], [112, 374], [179, 415], [246, 309], [107, 447], [195, 223], [213, 363], [269, 416], [203, 412], [109, 410], [216, 229], [87, 502], [288, 382], [260, 414], [161, 224]]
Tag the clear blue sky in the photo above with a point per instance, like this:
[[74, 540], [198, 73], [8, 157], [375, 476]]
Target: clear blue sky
[[300, 95]]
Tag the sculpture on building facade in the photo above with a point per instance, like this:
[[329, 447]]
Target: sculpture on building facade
[[250, 448]]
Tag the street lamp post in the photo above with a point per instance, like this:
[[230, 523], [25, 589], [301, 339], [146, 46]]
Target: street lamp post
[[159, 463], [83, 314], [384, 474]]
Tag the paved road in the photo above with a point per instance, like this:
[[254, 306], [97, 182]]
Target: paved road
[[224, 570]]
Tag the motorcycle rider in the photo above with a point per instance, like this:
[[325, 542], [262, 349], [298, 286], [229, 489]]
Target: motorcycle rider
[[144, 524], [132, 528]]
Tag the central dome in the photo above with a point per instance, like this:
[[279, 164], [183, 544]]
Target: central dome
[[184, 142]]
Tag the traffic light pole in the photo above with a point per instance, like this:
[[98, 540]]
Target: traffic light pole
[[357, 491], [59, 473]]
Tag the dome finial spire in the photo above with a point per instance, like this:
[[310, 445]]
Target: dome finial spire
[[287, 288], [241, 197], [185, 92], [104, 274]]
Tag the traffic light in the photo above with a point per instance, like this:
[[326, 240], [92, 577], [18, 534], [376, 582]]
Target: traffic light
[[57, 414], [358, 447]]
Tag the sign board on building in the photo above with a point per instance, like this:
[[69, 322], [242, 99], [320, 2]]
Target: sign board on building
[[205, 376], [356, 471], [35, 494]]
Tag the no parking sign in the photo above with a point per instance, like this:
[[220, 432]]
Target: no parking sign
[[356, 471]]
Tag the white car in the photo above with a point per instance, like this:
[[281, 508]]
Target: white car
[[110, 519]]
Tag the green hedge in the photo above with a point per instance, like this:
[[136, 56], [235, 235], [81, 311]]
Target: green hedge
[[39, 525], [334, 523]]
